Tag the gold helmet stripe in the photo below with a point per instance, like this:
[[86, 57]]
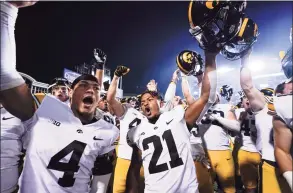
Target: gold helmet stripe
[[190, 14], [210, 4], [243, 26], [180, 66]]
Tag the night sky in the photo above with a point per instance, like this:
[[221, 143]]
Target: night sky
[[145, 36]]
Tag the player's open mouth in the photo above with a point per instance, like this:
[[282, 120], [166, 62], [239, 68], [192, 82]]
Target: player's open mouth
[[88, 100], [148, 111]]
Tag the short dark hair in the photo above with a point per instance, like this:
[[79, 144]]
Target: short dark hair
[[84, 77], [280, 88], [152, 93]]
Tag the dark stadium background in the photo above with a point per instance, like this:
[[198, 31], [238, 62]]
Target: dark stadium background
[[145, 36]]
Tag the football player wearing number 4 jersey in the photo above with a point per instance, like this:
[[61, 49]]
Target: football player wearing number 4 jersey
[[163, 138], [63, 140], [123, 150], [248, 157]]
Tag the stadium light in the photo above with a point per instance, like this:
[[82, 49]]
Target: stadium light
[[223, 70]]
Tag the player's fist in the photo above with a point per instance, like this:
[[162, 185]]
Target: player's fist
[[99, 58], [20, 4], [152, 85], [121, 71]]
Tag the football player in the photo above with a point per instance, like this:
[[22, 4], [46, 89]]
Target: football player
[[124, 151], [213, 129], [260, 104], [282, 121], [60, 88], [63, 141], [248, 158], [11, 147], [161, 141], [202, 166]]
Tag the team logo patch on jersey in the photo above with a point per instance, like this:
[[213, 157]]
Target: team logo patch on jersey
[[54, 122], [79, 131], [155, 128]]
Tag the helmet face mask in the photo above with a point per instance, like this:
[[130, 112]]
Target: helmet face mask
[[218, 25], [239, 46]]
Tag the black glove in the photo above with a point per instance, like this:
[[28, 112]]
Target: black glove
[[99, 59], [121, 71]]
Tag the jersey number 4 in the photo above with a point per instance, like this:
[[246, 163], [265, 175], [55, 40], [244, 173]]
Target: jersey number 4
[[175, 159], [68, 168]]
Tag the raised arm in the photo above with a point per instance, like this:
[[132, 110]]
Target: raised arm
[[229, 122], [14, 93], [115, 105], [186, 89], [99, 61], [208, 91], [255, 97], [171, 90], [283, 144]]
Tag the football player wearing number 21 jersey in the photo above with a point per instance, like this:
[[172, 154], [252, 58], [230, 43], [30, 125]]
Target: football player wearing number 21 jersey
[[63, 141], [161, 140]]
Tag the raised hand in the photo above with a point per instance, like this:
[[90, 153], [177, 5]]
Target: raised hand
[[99, 58], [20, 4], [175, 77], [152, 85], [121, 71]]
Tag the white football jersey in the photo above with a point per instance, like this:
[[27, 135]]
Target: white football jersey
[[166, 155], [283, 107], [61, 151], [128, 119], [106, 116], [248, 132], [214, 136], [264, 127], [11, 146]]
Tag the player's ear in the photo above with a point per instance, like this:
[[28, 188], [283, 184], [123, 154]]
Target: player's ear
[[70, 93]]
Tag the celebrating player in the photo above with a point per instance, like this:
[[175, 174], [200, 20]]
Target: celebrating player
[[282, 122], [260, 103], [55, 129], [60, 88], [124, 151], [171, 128], [248, 157]]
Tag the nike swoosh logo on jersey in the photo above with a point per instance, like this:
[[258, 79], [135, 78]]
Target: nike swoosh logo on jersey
[[95, 138], [169, 122], [4, 118]]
